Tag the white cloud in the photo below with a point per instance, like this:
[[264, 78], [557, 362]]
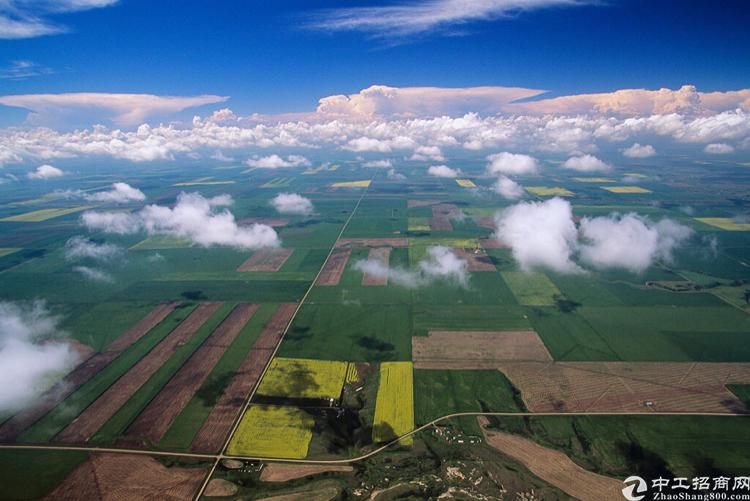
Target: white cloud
[[401, 20], [28, 366], [639, 151], [362, 144], [441, 263], [122, 109], [383, 164], [586, 163], [540, 234], [442, 171], [508, 188], [629, 241], [94, 274], [292, 203], [425, 153], [119, 194], [23, 69], [81, 247], [221, 157], [276, 162], [45, 171], [24, 19], [718, 149], [194, 218], [395, 176], [512, 164], [544, 235]]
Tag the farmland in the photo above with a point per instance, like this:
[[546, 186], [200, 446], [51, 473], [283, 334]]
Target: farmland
[[394, 413], [280, 432]]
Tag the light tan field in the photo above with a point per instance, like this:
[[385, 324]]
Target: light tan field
[[628, 386], [267, 260], [554, 467], [114, 477], [269, 221], [334, 267], [283, 472], [382, 254], [421, 203], [477, 258], [475, 349]]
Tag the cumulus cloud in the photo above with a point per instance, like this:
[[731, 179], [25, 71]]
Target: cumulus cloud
[[79, 247], [292, 203], [119, 194], [629, 241], [441, 263], [512, 164], [382, 164], [45, 171], [508, 188], [275, 162], [718, 149], [122, 109], [427, 153], [395, 175], [94, 274], [540, 234], [586, 163], [30, 362], [405, 19], [639, 151], [194, 218], [544, 235], [442, 171]]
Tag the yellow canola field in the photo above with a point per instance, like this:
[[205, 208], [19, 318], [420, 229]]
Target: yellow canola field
[[466, 183], [725, 223], [625, 189], [303, 378], [394, 406], [352, 184], [40, 215], [547, 191], [274, 432]]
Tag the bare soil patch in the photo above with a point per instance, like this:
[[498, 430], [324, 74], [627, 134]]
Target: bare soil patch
[[271, 259], [283, 472], [220, 488], [373, 242], [421, 203], [475, 349], [153, 422], [269, 221], [628, 386], [213, 433], [15, 426], [324, 494], [477, 258], [114, 477], [491, 243], [485, 222], [334, 267], [104, 407], [554, 467], [382, 255]]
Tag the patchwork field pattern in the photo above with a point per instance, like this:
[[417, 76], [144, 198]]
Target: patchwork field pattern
[[475, 349], [548, 191], [725, 223], [531, 288], [271, 431], [379, 255], [628, 386], [334, 267], [303, 378], [271, 259], [41, 215], [394, 408]]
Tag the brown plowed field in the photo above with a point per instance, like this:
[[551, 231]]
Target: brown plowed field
[[16, 425], [485, 222], [373, 242], [267, 260], [104, 407], [334, 267], [628, 386], [421, 203], [491, 243], [475, 349], [116, 477], [153, 422], [554, 467], [440, 224], [382, 254], [217, 426], [441, 214], [478, 259], [283, 472]]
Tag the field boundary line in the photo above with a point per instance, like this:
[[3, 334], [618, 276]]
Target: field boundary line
[[238, 419]]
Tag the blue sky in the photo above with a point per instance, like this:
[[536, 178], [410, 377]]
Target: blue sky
[[266, 57]]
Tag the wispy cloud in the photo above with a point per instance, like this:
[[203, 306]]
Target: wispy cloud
[[416, 18], [31, 18], [21, 70]]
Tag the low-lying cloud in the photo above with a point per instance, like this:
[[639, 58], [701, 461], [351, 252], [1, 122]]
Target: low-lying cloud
[[586, 163], [441, 263], [507, 188], [194, 218], [276, 162], [79, 247], [442, 171], [94, 274], [718, 149], [513, 164], [119, 194], [639, 151], [29, 362], [292, 203], [544, 235], [45, 171]]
